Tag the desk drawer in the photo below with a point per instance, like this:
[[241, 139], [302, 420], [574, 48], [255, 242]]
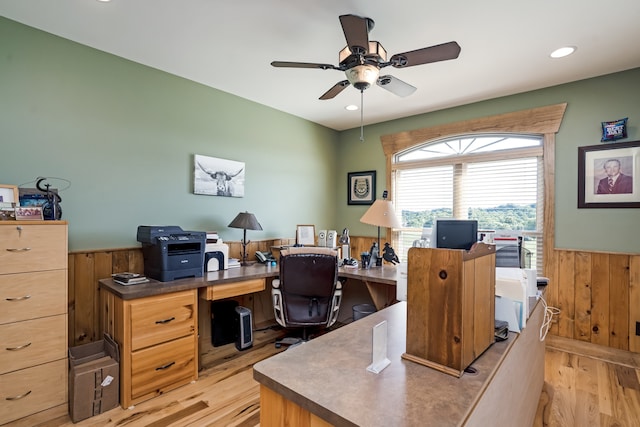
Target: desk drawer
[[32, 342], [235, 289], [32, 248], [31, 295], [32, 390], [158, 319], [160, 368]]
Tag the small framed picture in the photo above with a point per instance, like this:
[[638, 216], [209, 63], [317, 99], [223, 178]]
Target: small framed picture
[[361, 188], [29, 213], [306, 235], [609, 175], [8, 193]]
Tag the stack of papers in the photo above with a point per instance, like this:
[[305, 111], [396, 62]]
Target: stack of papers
[[233, 262]]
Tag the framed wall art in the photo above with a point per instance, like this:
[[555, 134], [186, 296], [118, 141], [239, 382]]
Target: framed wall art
[[608, 175], [361, 188], [218, 177]]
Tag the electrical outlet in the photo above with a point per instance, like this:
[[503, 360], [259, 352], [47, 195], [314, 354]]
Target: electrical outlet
[[637, 328]]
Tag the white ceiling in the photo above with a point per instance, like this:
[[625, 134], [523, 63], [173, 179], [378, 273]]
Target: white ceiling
[[229, 45]]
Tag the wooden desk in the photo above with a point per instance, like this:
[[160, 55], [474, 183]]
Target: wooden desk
[[162, 328], [324, 382]]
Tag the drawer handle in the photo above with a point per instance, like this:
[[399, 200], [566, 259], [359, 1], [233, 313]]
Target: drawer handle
[[18, 249], [20, 347], [19, 396], [160, 322], [18, 298], [167, 366]]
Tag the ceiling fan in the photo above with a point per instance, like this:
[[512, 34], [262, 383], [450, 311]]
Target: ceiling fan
[[362, 60]]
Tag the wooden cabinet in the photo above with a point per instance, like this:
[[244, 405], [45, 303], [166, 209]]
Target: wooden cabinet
[[158, 338], [33, 320], [450, 306]]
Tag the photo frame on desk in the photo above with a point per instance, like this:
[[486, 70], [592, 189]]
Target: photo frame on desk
[[8, 193], [361, 188], [29, 213], [306, 235], [594, 188]]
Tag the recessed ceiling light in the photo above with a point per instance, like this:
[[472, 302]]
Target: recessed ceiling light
[[563, 51], [351, 107]]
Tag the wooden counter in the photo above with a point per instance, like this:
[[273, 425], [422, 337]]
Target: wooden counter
[[325, 381]]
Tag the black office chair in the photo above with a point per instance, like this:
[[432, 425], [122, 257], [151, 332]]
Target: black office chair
[[307, 294]]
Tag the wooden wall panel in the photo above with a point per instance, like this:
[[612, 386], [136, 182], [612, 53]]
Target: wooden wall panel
[[598, 293], [619, 301], [600, 299], [582, 324], [634, 302]]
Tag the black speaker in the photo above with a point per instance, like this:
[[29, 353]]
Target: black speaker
[[244, 331], [223, 322]]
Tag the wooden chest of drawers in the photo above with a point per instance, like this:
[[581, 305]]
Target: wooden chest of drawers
[[33, 320], [158, 339]]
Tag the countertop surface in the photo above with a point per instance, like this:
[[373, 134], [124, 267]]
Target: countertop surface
[[386, 275], [328, 377]]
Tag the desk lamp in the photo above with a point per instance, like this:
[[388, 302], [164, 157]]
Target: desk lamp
[[381, 214], [246, 221]]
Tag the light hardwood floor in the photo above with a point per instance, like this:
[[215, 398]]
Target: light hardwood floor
[[585, 385]]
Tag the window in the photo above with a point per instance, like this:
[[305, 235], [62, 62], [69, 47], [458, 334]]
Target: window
[[496, 179]]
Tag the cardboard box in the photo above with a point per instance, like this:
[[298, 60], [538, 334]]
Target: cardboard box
[[94, 378]]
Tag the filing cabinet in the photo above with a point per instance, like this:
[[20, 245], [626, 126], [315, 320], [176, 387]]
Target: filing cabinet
[[33, 319]]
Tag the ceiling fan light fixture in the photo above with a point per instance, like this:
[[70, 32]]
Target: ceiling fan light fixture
[[362, 76], [375, 50]]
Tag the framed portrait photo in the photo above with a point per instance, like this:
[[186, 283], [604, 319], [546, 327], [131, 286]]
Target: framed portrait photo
[[608, 175], [361, 188]]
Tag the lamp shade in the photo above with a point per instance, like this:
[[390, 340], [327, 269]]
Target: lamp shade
[[381, 214], [246, 221]]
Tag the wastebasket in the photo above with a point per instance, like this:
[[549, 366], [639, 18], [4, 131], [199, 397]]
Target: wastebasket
[[362, 310]]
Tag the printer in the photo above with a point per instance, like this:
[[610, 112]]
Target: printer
[[170, 253]]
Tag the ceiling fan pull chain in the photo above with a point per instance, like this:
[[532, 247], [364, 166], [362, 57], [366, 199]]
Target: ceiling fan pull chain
[[361, 115]]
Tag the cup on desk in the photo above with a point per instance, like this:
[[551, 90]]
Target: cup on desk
[[365, 260]]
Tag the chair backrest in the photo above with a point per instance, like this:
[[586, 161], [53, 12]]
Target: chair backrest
[[308, 281]]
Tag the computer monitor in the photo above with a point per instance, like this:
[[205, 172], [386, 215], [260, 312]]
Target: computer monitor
[[454, 233]]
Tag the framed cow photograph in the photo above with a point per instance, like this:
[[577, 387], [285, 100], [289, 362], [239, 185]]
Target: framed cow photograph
[[218, 177]]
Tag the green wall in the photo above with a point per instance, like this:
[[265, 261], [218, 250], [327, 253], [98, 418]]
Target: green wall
[[590, 102], [125, 135]]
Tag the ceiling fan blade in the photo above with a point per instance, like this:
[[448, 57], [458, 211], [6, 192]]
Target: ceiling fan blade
[[303, 65], [441, 52], [356, 32], [336, 89], [395, 85]]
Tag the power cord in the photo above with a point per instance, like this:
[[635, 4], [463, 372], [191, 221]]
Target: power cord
[[549, 312]]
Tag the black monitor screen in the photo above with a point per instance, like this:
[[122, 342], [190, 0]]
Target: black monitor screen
[[456, 233]]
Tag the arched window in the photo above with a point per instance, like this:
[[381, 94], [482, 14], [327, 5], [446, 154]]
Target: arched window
[[402, 152], [495, 179]]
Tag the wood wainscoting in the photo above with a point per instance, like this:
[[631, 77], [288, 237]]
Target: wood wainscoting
[[598, 293], [599, 297]]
